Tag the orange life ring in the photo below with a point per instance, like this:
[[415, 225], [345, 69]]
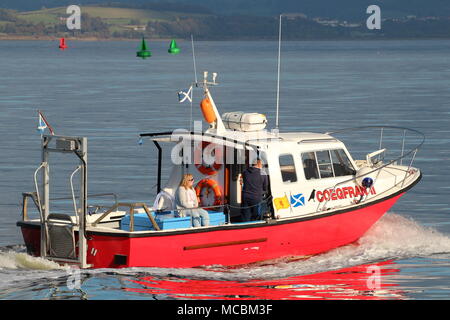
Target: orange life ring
[[209, 184], [208, 170]]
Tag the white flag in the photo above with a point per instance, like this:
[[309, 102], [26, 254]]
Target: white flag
[[43, 124]]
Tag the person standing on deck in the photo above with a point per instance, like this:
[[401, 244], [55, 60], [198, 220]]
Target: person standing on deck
[[255, 184]]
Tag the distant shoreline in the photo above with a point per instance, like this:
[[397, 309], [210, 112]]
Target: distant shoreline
[[56, 38], [129, 24], [91, 39]]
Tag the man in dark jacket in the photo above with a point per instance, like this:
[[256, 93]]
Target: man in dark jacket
[[255, 184]]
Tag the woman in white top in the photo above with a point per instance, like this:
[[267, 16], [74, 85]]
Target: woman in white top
[[186, 200]]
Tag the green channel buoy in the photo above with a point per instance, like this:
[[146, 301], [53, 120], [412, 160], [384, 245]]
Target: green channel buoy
[[173, 49], [143, 51]]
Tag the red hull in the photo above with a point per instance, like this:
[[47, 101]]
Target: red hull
[[238, 245]]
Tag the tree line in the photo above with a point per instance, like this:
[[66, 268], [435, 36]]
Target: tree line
[[217, 27]]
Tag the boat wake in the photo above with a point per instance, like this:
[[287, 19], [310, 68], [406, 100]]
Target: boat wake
[[15, 257], [392, 237], [20, 272]]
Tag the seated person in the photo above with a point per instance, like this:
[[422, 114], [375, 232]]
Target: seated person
[[186, 200]]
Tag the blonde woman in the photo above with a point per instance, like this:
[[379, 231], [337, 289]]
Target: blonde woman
[[186, 200]]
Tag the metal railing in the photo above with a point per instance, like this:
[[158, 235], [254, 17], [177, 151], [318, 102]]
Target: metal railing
[[413, 151], [35, 197], [133, 206], [38, 201], [404, 130]]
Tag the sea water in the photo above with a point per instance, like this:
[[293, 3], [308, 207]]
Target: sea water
[[102, 91]]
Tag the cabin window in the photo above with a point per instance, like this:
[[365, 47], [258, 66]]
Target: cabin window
[[310, 165], [324, 161], [326, 164], [341, 163], [287, 168]]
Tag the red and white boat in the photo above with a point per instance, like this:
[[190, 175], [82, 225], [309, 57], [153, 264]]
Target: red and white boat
[[319, 197]]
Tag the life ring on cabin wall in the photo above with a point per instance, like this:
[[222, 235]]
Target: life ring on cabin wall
[[206, 169], [209, 184]]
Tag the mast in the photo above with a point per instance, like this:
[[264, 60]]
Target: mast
[[278, 80], [219, 126], [195, 80], [193, 58]]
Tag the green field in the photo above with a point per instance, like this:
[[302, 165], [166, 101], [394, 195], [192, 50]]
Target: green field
[[113, 16]]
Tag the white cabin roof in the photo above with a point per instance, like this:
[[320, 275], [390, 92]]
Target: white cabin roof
[[261, 138]]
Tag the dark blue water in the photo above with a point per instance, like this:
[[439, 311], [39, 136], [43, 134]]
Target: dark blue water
[[101, 91]]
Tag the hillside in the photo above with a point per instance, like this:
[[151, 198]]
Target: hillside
[[350, 10], [114, 21], [110, 15], [131, 23]]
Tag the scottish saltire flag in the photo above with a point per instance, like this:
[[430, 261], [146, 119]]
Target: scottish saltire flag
[[297, 200], [43, 124], [185, 95]]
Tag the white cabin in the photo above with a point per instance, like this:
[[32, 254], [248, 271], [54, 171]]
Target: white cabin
[[308, 172]]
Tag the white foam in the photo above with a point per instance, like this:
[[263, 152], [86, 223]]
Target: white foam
[[393, 237], [400, 237], [20, 260]]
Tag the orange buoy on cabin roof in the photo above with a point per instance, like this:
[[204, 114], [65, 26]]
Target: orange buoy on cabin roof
[[208, 111]]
